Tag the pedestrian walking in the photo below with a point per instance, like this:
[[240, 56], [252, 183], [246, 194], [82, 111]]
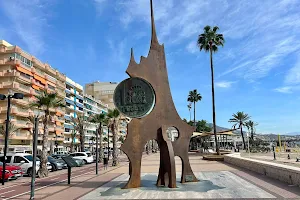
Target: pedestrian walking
[[105, 161]]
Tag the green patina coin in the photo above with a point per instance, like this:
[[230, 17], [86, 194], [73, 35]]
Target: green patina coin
[[134, 97]]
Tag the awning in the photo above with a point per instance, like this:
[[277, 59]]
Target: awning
[[50, 83], [58, 123], [25, 71], [37, 77], [58, 132], [58, 113], [35, 87]]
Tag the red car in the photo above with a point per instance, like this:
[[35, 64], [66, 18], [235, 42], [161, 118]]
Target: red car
[[11, 172]]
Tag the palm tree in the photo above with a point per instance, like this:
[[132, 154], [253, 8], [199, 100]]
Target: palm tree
[[12, 129], [240, 119], [194, 97], [190, 107], [100, 120], [251, 127], [113, 115], [79, 124], [45, 101], [73, 136], [209, 41]]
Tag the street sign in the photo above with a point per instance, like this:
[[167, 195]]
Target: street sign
[[70, 161], [134, 97]]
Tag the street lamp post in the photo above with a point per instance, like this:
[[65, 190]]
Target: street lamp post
[[3, 97]]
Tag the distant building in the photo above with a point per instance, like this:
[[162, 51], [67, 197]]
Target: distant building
[[102, 91]]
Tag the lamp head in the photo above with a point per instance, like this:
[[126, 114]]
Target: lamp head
[[2, 96], [18, 96]]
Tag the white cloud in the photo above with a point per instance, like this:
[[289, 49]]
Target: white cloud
[[192, 47], [259, 29], [285, 89], [293, 75], [28, 21], [224, 84]]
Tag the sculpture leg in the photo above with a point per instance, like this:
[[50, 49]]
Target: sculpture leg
[[187, 172], [167, 170], [134, 171]]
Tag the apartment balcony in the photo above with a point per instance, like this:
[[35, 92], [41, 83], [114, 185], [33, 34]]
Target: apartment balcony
[[52, 110], [37, 63], [22, 124], [60, 84], [60, 129], [24, 102], [60, 93], [50, 69], [38, 72], [24, 78], [60, 76], [9, 73], [51, 128], [34, 82], [60, 111], [20, 111]]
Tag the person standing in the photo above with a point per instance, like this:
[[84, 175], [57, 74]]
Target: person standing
[[105, 161]]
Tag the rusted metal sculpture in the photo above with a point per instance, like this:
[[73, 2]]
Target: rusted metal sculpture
[[153, 69]]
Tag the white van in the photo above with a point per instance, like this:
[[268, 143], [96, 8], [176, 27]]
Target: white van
[[23, 160]]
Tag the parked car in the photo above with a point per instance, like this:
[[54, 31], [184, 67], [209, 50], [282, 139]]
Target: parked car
[[56, 164], [12, 172], [77, 160], [23, 160], [61, 153], [85, 156]]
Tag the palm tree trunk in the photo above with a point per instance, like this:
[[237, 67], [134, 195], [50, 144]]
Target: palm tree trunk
[[43, 171], [115, 156], [100, 143], [190, 115], [213, 102], [243, 137], [194, 113], [82, 141]]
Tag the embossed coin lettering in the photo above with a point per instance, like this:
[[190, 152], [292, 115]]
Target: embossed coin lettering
[[134, 97]]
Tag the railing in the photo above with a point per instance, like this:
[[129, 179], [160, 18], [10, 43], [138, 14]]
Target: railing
[[26, 53], [39, 71], [51, 78], [23, 110], [24, 76], [24, 87]]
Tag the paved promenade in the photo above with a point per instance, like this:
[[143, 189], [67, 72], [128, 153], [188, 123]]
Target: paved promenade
[[217, 180]]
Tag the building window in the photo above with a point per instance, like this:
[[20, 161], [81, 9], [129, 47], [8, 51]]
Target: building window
[[23, 60], [67, 130], [51, 87]]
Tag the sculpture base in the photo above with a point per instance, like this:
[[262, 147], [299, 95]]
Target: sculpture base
[[211, 185]]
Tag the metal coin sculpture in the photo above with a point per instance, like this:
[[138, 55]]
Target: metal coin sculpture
[[134, 97], [152, 119]]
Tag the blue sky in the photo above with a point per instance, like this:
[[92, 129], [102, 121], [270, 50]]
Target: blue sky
[[257, 71]]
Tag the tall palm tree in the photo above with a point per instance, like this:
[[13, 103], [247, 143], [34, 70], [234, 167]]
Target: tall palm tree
[[209, 41], [45, 101], [100, 120], [190, 107], [240, 119], [114, 115], [194, 97], [251, 127], [79, 124]]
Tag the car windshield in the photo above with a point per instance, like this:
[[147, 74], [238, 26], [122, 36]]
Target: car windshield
[[30, 158], [89, 154], [1, 163]]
